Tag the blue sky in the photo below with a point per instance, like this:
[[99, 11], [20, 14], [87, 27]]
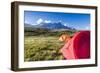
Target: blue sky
[[75, 20]]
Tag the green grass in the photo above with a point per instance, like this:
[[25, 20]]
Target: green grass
[[43, 44], [40, 48]]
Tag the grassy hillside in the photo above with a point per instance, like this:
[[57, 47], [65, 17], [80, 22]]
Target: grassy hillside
[[43, 44], [42, 48]]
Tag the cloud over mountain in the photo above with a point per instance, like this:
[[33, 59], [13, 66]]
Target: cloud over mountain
[[39, 21], [48, 24]]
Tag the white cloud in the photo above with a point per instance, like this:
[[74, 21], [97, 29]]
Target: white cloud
[[65, 24], [47, 21], [39, 21]]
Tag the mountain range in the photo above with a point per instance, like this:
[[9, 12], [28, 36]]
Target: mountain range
[[56, 25]]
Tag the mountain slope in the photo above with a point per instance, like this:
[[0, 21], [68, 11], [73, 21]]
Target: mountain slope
[[57, 25]]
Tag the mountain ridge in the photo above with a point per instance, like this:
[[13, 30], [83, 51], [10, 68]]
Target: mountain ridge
[[56, 25]]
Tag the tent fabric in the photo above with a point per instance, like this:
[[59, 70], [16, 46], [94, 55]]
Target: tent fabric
[[78, 47]]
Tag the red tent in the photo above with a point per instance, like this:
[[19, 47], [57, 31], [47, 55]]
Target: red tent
[[78, 47]]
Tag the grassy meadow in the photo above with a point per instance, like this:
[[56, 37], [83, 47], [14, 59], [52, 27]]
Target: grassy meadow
[[40, 45]]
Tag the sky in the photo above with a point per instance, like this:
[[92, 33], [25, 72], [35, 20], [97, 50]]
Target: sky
[[75, 20]]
